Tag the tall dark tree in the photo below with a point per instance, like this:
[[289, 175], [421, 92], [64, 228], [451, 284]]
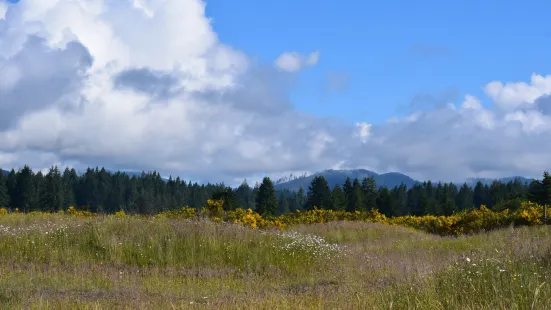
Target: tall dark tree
[[339, 198], [357, 199], [464, 198], [244, 195], [546, 189], [479, 195], [385, 202], [4, 194], [70, 179], [229, 198], [51, 193], [26, 194], [283, 204], [266, 201], [301, 199], [348, 190], [319, 194], [369, 188]]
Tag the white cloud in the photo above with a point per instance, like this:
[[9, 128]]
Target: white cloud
[[148, 85], [363, 131], [3, 10], [516, 95], [293, 61]]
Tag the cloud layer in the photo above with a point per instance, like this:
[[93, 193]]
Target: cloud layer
[[148, 85]]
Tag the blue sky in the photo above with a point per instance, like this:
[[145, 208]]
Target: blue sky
[[392, 50]]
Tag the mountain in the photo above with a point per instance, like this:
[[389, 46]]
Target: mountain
[[334, 177], [485, 181], [5, 172], [389, 180]]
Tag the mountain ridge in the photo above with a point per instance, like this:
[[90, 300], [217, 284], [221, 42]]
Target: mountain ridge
[[388, 179]]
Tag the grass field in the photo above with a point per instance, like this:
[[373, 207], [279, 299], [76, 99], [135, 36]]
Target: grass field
[[60, 261]]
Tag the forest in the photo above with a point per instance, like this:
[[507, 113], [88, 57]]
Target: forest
[[100, 191]]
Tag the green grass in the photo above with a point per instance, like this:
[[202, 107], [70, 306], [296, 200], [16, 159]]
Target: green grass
[[58, 261]]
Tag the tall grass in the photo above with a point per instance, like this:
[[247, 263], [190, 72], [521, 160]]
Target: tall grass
[[139, 262]]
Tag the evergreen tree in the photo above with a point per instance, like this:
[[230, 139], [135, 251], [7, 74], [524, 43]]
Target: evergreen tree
[[283, 204], [266, 201], [4, 194], [546, 189], [479, 195], [25, 195], [11, 184], [51, 193], [357, 199], [464, 198], [369, 188], [385, 202], [300, 198], [245, 195], [319, 194], [348, 191], [339, 199], [229, 198]]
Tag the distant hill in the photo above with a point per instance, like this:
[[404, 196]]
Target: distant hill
[[390, 180], [4, 172], [334, 177], [485, 181]]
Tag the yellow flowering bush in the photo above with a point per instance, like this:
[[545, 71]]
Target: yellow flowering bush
[[3, 211], [529, 213], [73, 211], [120, 213], [214, 208], [185, 213]]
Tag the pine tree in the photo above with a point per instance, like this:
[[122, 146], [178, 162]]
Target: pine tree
[[369, 188], [385, 202], [266, 201], [51, 193], [319, 194], [4, 195], [357, 199], [26, 193], [479, 195], [464, 198], [229, 198], [283, 204], [348, 190], [546, 189], [300, 198], [339, 199]]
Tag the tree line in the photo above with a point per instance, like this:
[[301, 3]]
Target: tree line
[[98, 190]]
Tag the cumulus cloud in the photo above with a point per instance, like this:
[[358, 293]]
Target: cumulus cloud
[[148, 85], [511, 96], [293, 61]]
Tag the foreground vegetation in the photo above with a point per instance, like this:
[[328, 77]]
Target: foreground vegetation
[[77, 260]]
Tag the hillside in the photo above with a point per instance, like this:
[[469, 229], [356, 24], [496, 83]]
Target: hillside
[[334, 177], [390, 179], [486, 181]]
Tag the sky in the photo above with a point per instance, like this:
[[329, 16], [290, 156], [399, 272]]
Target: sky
[[226, 90]]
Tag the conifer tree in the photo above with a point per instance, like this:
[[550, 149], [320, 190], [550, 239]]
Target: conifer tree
[[266, 201], [319, 194], [339, 199]]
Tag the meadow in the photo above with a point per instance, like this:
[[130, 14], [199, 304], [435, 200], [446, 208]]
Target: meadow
[[72, 260]]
